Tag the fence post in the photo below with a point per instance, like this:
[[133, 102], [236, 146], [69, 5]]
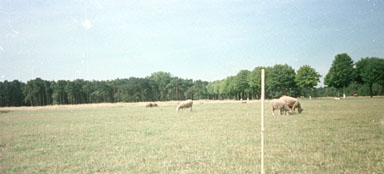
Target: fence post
[[262, 120]]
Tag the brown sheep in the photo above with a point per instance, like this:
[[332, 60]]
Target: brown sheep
[[150, 105]]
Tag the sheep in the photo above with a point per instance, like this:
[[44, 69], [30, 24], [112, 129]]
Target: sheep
[[184, 104], [149, 105], [244, 101], [292, 103], [280, 105]]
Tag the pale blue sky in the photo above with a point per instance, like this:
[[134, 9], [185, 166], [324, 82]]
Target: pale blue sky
[[200, 39]]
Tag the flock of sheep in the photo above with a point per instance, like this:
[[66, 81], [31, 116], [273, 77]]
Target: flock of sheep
[[285, 105], [183, 105]]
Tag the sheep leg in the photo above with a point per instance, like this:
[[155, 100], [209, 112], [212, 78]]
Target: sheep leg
[[293, 107]]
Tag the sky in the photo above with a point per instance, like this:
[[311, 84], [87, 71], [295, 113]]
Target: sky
[[200, 39]]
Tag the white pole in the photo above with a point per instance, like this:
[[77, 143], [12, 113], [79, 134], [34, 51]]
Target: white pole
[[262, 120]]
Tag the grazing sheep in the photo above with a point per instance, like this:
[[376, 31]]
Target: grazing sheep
[[149, 105], [292, 103], [184, 104], [280, 105]]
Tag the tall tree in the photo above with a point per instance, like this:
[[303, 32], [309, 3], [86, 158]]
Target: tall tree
[[11, 93], [341, 73], [241, 83], [59, 96], [48, 93], [35, 92], [198, 90], [281, 79], [74, 91], [160, 81], [370, 71], [102, 92], [307, 78], [254, 81], [213, 89], [227, 87]]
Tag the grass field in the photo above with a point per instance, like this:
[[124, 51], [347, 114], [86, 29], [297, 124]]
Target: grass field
[[330, 136]]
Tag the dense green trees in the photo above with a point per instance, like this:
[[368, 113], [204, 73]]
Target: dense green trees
[[160, 81], [241, 84], [367, 74], [38, 92], [11, 93], [159, 86], [367, 78], [254, 82], [281, 80], [370, 71], [341, 73], [307, 78]]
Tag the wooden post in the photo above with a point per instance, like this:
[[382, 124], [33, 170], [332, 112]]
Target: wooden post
[[262, 120]]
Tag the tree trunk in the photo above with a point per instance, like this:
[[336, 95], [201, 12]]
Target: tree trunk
[[338, 93], [370, 90], [310, 93]]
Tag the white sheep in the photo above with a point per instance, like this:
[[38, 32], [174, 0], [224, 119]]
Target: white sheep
[[281, 106], [184, 104], [292, 103]]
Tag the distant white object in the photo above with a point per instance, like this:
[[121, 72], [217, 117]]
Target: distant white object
[[343, 95], [310, 97], [337, 98]]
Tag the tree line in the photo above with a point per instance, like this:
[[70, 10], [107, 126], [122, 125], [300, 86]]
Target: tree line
[[365, 77], [159, 86]]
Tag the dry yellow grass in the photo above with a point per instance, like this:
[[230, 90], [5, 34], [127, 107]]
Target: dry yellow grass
[[330, 136]]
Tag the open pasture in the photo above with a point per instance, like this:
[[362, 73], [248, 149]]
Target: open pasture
[[345, 136]]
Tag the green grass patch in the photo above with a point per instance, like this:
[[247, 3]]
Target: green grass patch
[[330, 136], [4, 111]]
